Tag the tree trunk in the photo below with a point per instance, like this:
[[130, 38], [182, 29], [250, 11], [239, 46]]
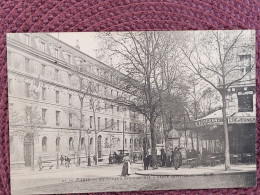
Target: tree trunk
[[224, 113], [153, 143], [191, 137], [95, 128], [80, 130]]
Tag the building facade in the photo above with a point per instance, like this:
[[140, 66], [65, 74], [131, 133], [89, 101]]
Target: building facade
[[44, 89]]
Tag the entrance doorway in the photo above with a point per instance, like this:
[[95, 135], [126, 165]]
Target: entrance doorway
[[28, 150], [99, 146]]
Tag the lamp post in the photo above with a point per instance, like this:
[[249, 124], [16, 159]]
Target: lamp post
[[89, 161], [123, 136]]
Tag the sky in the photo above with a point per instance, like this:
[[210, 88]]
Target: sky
[[87, 41]]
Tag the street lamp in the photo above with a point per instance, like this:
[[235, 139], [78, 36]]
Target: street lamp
[[89, 161]]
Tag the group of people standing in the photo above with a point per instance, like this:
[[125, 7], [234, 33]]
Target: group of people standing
[[65, 161], [175, 159]]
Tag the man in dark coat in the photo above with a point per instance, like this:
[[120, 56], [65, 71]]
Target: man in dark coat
[[146, 162]]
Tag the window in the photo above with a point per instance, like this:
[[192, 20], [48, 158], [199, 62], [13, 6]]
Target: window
[[27, 89], [117, 94], [56, 53], [117, 125], [117, 108], [58, 144], [69, 58], [105, 123], [98, 123], [111, 92], [43, 93], [26, 39], [71, 145], [70, 119], [112, 123], [10, 81], [70, 99], [42, 46], [111, 78], [125, 143], [43, 69], [131, 142], [28, 114], [57, 118], [44, 115], [90, 122], [98, 71], [57, 96], [56, 77], [112, 108], [130, 126], [82, 143], [98, 86], [245, 102], [106, 143], [105, 91], [44, 144], [27, 64], [118, 142], [245, 61]]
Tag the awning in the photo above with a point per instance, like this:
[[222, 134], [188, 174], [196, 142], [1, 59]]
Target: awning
[[215, 118]]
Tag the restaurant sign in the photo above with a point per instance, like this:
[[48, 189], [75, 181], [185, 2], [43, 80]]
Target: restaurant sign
[[208, 122], [241, 120], [231, 120]]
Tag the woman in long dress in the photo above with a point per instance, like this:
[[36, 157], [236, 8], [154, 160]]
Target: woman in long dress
[[126, 166]]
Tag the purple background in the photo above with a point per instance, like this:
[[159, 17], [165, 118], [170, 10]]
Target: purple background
[[120, 15]]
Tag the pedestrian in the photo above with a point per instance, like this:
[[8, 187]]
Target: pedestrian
[[172, 157], [68, 162], [146, 162], [61, 160], [177, 157], [39, 162], [94, 159], [126, 166], [110, 159]]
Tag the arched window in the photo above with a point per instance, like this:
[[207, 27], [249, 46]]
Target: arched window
[[58, 144], [82, 143], [118, 142], [140, 143], [44, 144], [91, 141], [131, 141], [71, 147], [135, 144], [106, 143]]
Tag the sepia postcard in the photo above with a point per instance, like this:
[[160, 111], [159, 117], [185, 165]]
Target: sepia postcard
[[131, 111]]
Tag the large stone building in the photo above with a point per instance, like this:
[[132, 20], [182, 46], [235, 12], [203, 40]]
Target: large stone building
[[44, 92]]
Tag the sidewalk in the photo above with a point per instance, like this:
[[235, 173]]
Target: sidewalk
[[219, 169]]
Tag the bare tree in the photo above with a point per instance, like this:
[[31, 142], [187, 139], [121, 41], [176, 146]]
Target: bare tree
[[211, 56]]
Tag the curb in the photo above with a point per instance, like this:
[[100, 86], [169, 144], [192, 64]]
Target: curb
[[199, 174]]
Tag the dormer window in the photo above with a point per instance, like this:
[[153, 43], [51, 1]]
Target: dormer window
[[56, 53], [26, 39], [69, 59], [42, 46]]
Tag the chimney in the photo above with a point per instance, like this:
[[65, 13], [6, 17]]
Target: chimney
[[77, 44]]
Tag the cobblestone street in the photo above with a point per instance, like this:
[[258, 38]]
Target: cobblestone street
[[87, 179]]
